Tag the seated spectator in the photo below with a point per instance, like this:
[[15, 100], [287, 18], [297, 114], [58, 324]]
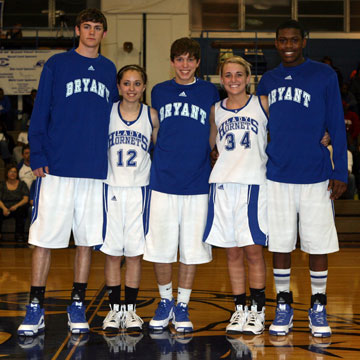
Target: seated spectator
[[355, 88], [355, 71], [6, 144], [328, 60], [25, 173], [32, 195], [14, 198], [351, 186], [348, 98], [352, 123], [28, 103], [15, 32], [5, 108], [22, 140]]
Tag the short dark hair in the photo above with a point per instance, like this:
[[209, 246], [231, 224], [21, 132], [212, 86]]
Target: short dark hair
[[25, 147], [8, 167], [291, 24], [133, 67], [93, 15], [183, 46]]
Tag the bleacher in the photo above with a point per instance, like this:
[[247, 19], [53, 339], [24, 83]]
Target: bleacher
[[347, 219], [14, 134]]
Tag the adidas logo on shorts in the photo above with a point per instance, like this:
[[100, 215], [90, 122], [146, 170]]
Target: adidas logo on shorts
[[114, 198]]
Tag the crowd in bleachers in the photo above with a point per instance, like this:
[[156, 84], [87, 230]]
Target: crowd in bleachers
[[17, 177], [350, 93]]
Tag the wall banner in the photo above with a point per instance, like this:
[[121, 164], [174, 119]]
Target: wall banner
[[20, 69]]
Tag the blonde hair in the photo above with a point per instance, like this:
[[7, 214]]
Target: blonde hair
[[237, 60]]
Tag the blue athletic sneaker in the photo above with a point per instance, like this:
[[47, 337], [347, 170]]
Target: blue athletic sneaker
[[34, 321], [318, 324], [163, 314], [181, 319], [77, 320], [283, 321]]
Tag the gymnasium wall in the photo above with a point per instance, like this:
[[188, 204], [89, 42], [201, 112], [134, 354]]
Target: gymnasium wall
[[345, 54], [166, 20]]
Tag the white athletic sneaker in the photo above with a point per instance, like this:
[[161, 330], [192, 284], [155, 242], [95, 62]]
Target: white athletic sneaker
[[255, 323], [131, 321], [113, 319], [237, 320]]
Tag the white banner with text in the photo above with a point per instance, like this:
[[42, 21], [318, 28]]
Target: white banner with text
[[20, 70]]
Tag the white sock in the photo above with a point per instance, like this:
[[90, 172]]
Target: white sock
[[318, 282], [166, 291], [183, 295], [282, 280]]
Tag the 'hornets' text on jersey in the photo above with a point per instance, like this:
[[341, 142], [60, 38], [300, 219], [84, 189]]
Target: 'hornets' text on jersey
[[241, 141], [238, 123], [128, 153], [128, 137]]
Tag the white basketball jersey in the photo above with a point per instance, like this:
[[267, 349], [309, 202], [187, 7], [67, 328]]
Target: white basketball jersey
[[241, 142], [128, 148]]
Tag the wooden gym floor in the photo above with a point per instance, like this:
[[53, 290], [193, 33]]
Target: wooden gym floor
[[210, 308]]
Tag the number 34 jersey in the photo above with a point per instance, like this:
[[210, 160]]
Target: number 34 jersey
[[128, 148], [241, 141]]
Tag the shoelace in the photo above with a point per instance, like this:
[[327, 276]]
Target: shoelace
[[32, 314], [181, 312], [162, 308], [132, 317], [77, 312], [112, 316], [319, 316], [236, 317], [252, 318], [281, 314]]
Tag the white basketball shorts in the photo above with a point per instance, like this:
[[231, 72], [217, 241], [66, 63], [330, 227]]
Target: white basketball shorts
[[176, 221], [123, 230], [237, 215], [307, 206], [62, 204]]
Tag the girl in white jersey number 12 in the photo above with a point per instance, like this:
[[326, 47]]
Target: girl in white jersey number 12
[[133, 126]]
